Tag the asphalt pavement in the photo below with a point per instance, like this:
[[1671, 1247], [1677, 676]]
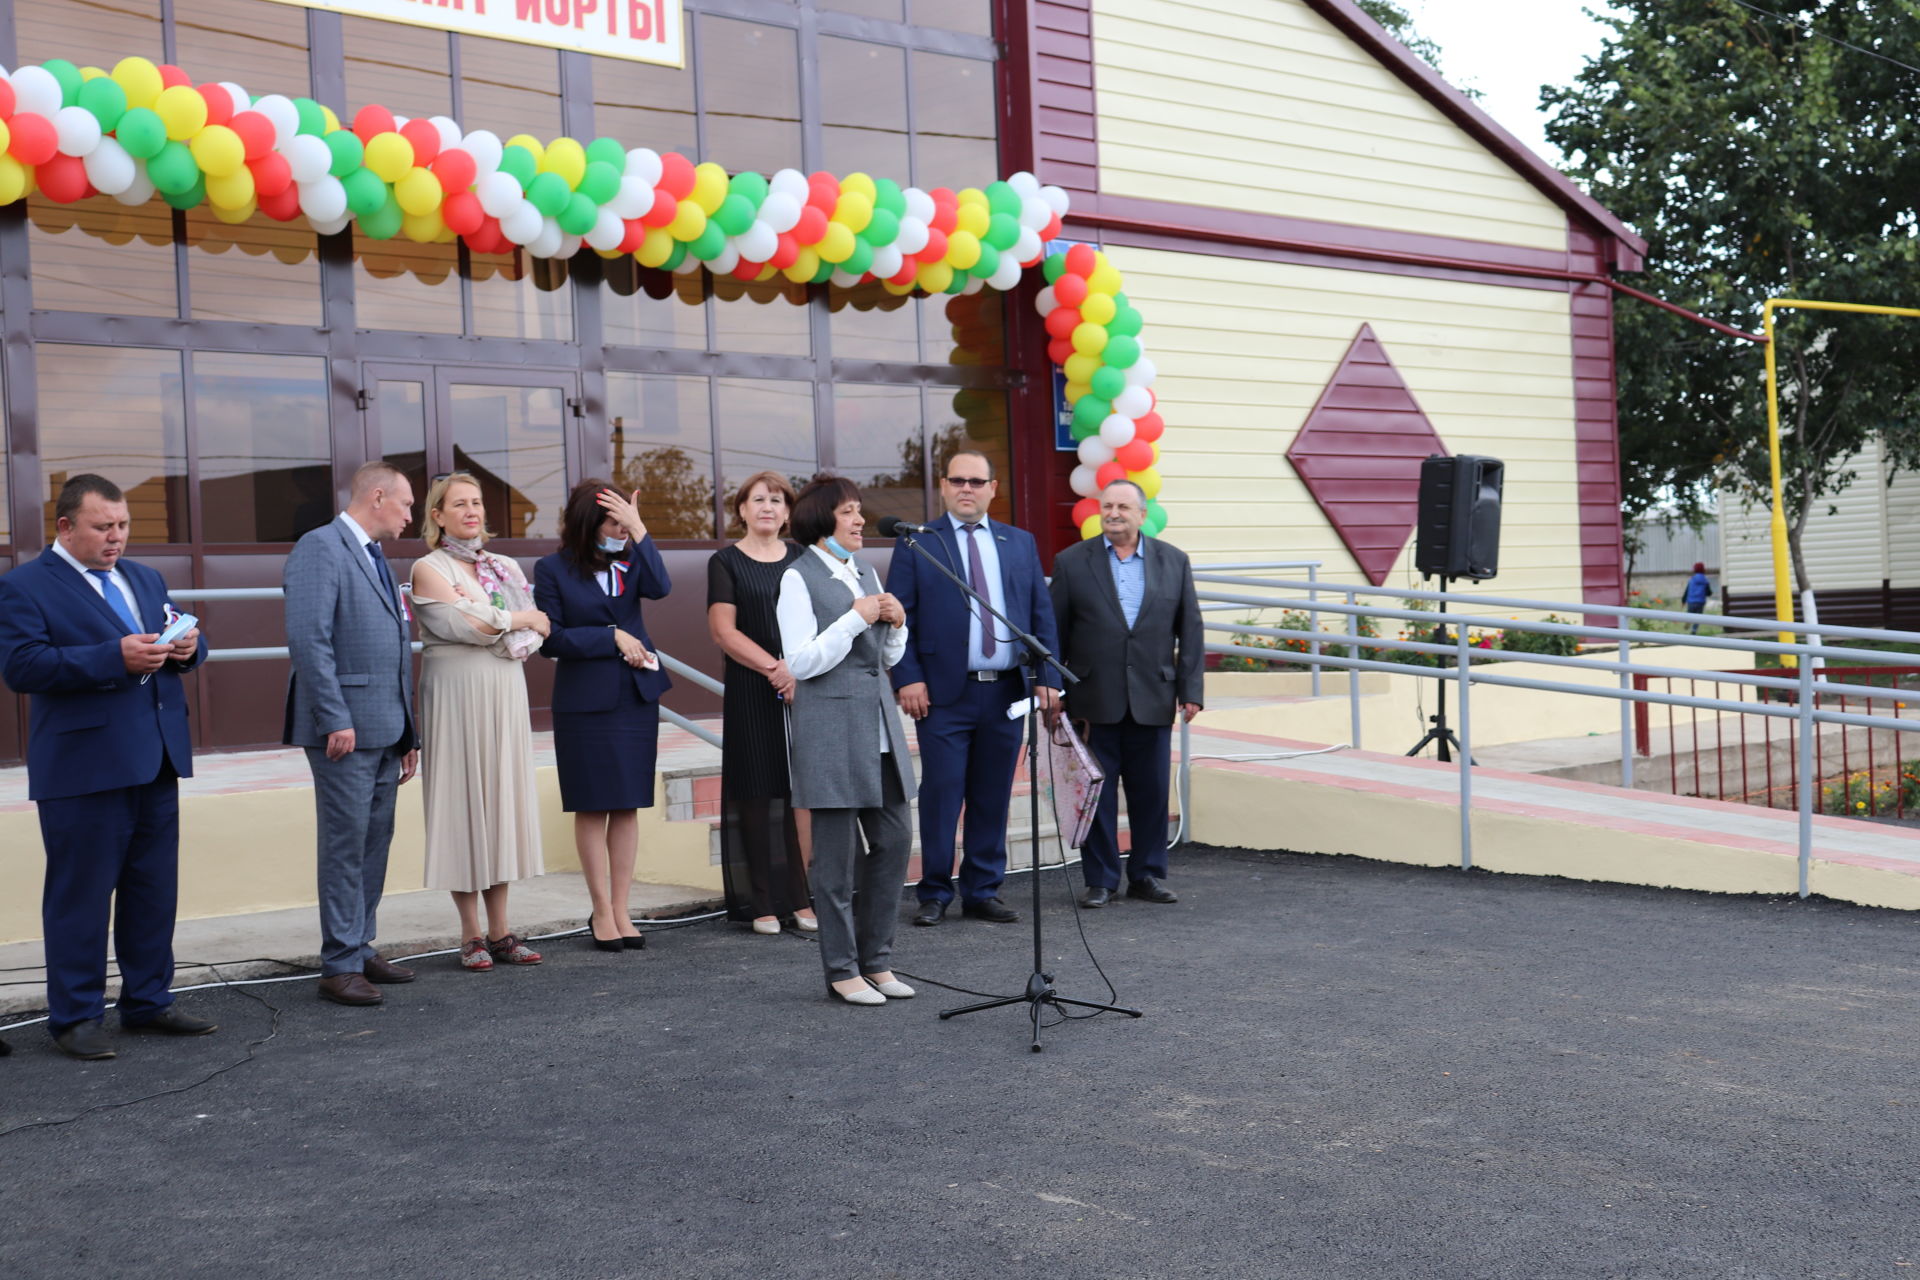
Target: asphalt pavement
[[1345, 1069]]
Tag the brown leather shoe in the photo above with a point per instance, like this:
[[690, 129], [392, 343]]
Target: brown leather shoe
[[385, 972], [349, 988]]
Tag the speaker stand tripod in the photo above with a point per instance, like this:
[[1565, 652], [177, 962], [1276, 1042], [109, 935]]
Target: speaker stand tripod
[[1441, 735]]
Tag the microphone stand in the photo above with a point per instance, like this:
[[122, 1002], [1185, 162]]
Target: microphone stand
[[1040, 989]]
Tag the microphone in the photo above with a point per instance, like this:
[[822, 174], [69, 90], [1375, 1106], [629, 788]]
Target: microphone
[[894, 526]]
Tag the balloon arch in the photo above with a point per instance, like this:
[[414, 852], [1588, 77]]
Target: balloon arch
[[144, 129]]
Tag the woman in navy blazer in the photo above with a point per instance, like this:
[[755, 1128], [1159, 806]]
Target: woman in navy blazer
[[606, 690]]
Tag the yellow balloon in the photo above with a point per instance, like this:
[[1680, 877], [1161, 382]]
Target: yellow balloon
[[141, 80], [231, 190], [1098, 308], [805, 267], [837, 245], [423, 228], [1148, 480], [1079, 368], [900, 291], [655, 247], [1090, 528], [13, 179], [1104, 280], [1089, 339], [6, 138], [972, 219], [528, 141], [220, 154], [1074, 390], [182, 110], [333, 121], [854, 211], [389, 155], [419, 192], [709, 187], [859, 184], [566, 158], [90, 73], [767, 272], [688, 222], [934, 277], [971, 195], [963, 250], [234, 217], [1155, 446]]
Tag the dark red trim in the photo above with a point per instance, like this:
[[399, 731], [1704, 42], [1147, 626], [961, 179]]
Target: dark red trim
[[1596, 444]]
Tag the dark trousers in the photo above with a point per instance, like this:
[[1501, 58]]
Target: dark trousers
[[113, 854], [1135, 756], [968, 753], [856, 891], [353, 800]]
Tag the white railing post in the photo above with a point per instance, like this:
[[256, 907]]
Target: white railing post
[[1626, 719], [1808, 783], [1464, 656], [1313, 624], [1353, 676]]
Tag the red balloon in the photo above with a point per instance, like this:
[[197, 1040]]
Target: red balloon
[[371, 121], [1049, 231], [787, 251], [665, 209], [462, 212], [908, 274], [455, 168], [1071, 290], [1080, 262], [1108, 473], [1060, 350], [1135, 455], [482, 240], [812, 225], [283, 206], [943, 195], [1062, 321], [676, 175], [34, 141], [271, 175], [1084, 508], [63, 179], [255, 130], [936, 246], [1148, 427], [219, 103], [823, 189], [172, 76], [6, 100], [744, 270], [636, 232], [946, 216], [425, 139]]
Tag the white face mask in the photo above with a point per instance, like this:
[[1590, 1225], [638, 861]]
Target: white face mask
[[613, 544]]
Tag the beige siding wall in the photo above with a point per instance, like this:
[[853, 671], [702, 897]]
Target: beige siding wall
[[1868, 535], [1244, 349], [1262, 106]]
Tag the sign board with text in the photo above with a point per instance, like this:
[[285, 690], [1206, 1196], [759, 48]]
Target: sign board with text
[[638, 30]]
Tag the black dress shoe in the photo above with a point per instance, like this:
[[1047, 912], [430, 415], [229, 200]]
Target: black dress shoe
[[1150, 890], [5, 1048], [171, 1021], [85, 1040], [1097, 897], [638, 942], [930, 913], [990, 909]]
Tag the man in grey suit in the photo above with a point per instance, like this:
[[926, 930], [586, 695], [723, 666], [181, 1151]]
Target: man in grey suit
[[1130, 629], [350, 704]]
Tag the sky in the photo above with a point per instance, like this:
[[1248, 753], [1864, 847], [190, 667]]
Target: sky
[[1507, 49]]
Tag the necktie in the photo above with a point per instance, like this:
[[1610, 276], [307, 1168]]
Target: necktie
[[380, 568], [117, 600], [977, 579]]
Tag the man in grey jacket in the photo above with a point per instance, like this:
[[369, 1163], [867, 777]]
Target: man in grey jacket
[[350, 704]]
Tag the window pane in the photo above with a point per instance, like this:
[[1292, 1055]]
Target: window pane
[[769, 317], [265, 451], [262, 47], [261, 271], [400, 406], [644, 105], [663, 446], [871, 324], [887, 9], [398, 284], [750, 82], [519, 296], [643, 308], [764, 425], [970, 17], [955, 122], [965, 329], [976, 420], [99, 255], [863, 108], [116, 412], [512, 439], [509, 88], [405, 69], [106, 30], [879, 444]]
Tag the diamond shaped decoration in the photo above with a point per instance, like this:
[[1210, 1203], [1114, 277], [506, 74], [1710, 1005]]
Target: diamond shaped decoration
[[1359, 453]]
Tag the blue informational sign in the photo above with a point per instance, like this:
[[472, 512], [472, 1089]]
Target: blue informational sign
[[1062, 411]]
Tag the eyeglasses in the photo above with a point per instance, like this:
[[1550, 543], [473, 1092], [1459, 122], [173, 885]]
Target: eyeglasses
[[968, 482]]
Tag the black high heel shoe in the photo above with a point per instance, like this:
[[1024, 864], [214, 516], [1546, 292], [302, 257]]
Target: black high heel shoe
[[638, 942], [603, 944]]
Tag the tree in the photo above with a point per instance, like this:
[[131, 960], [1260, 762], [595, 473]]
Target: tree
[[1399, 24], [1761, 158]]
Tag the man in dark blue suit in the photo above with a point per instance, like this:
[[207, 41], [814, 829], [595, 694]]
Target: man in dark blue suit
[[960, 674], [107, 745]]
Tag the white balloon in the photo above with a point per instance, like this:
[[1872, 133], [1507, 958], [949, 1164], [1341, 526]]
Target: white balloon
[[919, 205], [726, 261], [36, 90], [688, 265], [109, 168], [1116, 431], [242, 100], [76, 130], [307, 157], [500, 195], [1095, 452], [758, 242], [644, 164], [521, 223], [845, 279], [913, 235], [485, 148], [1035, 213], [1007, 274], [608, 231], [1044, 302], [887, 261], [1134, 402], [323, 199], [331, 226], [1056, 199], [569, 245], [279, 108], [1142, 373], [547, 243], [790, 183], [448, 130], [1025, 184], [399, 120], [632, 199], [974, 285], [140, 190], [1028, 247], [780, 210], [1082, 481]]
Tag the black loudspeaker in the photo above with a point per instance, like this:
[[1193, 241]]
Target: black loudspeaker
[[1459, 531]]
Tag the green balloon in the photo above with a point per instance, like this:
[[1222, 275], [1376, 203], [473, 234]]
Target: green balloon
[[708, 244], [887, 195], [142, 133], [960, 281], [600, 183], [1053, 264], [988, 264], [675, 258], [607, 151], [860, 261], [189, 198], [384, 222], [1126, 322], [883, 228], [69, 77], [734, 215], [106, 100], [347, 153], [519, 162], [1092, 410], [1003, 231], [1156, 518], [366, 194], [1121, 353], [1083, 433], [824, 274], [750, 186], [1108, 382], [579, 215], [549, 193], [313, 121], [172, 169], [1002, 198]]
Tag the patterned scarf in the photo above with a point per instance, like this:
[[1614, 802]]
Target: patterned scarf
[[502, 586]]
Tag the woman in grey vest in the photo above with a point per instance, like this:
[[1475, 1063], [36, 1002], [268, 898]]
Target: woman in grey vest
[[848, 749]]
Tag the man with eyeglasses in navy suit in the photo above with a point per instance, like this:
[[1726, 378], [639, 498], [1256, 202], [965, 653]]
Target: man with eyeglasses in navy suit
[[960, 673]]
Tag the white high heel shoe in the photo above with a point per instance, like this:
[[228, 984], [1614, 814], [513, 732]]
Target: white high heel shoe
[[807, 924], [766, 924], [859, 995], [892, 988]]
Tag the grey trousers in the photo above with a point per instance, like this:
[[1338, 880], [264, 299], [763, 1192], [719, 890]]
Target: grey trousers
[[353, 801], [856, 891]]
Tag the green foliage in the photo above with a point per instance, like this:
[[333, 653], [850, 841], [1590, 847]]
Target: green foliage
[[1760, 160], [1541, 641], [1866, 794], [1399, 24]]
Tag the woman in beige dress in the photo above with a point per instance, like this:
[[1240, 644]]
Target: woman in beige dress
[[478, 626]]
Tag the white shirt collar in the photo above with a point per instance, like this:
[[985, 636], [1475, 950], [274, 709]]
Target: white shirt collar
[[846, 570], [353, 527], [60, 549], [959, 524]]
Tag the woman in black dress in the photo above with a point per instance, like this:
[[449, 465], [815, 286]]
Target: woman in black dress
[[761, 836]]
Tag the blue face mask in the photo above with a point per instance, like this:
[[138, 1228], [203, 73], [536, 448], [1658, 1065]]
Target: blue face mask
[[833, 545], [613, 544]]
